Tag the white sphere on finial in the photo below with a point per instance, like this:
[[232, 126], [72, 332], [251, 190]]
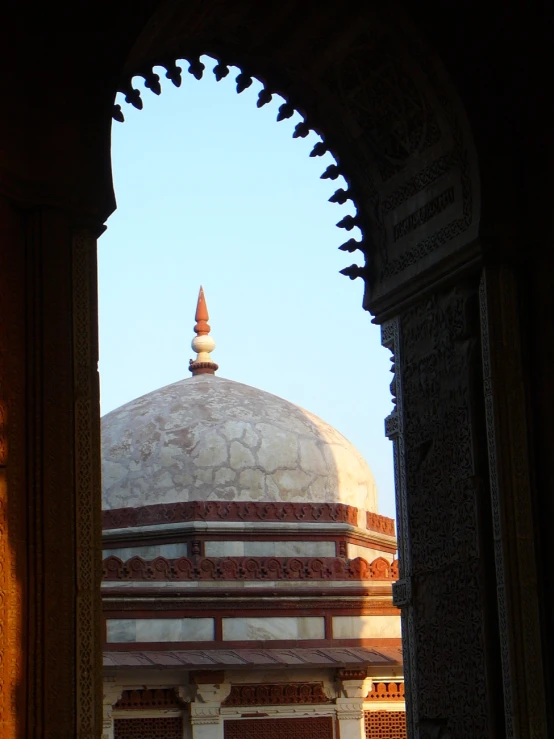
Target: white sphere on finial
[[203, 344]]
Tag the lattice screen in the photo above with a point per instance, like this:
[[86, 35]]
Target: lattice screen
[[149, 728], [385, 725], [319, 727]]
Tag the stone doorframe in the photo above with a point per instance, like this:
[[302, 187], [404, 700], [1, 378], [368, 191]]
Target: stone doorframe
[[468, 574]]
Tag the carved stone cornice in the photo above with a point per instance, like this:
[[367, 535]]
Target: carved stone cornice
[[248, 568], [386, 691], [269, 694], [216, 510], [381, 524], [126, 599], [356, 688]]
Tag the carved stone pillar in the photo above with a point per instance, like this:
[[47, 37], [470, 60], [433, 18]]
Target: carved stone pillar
[[350, 707], [446, 585], [111, 694], [512, 505], [205, 710], [50, 639]]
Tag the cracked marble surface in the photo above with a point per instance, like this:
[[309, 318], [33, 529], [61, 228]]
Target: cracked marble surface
[[208, 438]]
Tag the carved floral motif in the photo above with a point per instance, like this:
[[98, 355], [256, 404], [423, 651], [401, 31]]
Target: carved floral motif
[[249, 568], [382, 524], [217, 510]]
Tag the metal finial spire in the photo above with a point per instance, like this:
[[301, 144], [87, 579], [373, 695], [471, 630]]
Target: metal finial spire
[[202, 344]]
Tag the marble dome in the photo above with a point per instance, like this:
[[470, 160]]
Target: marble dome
[[208, 438]]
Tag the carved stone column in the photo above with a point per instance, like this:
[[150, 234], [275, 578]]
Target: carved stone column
[[205, 710], [350, 706], [50, 639], [446, 585], [111, 694], [512, 505]]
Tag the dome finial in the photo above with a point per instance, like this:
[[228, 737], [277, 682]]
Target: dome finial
[[202, 344]]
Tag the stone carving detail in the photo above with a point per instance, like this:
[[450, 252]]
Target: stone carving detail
[[149, 698], [111, 693], [87, 483], [215, 510], [314, 727], [162, 727], [438, 497], [383, 104], [386, 691], [202, 714], [352, 673], [248, 568], [385, 724], [349, 711], [378, 88], [382, 524], [402, 590], [276, 694]]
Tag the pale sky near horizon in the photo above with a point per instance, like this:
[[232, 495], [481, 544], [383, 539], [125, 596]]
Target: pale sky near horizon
[[212, 191]]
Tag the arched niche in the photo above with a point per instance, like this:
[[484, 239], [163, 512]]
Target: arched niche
[[381, 101]]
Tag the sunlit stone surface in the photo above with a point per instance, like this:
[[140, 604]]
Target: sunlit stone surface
[[208, 438]]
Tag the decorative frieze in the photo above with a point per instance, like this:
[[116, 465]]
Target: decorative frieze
[[386, 691], [381, 524], [276, 694], [248, 568], [216, 510]]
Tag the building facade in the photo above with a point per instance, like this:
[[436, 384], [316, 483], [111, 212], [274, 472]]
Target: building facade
[[247, 588]]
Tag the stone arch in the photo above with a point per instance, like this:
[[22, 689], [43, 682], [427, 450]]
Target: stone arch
[[383, 106], [381, 102], [56, 192]]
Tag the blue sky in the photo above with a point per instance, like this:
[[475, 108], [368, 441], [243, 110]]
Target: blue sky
[[213, 191]]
